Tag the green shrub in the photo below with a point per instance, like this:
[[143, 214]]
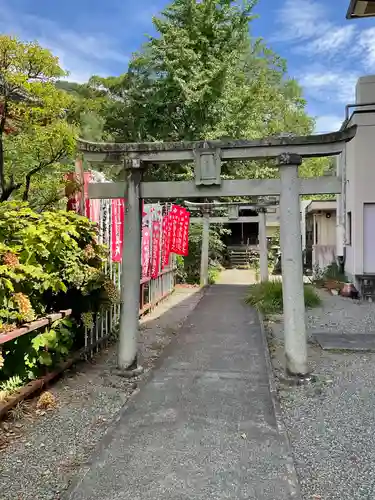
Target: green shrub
[[188, 268], [11, 385], [268, 297], [48, 262], [333, 272], [31, 355], [214, 273]]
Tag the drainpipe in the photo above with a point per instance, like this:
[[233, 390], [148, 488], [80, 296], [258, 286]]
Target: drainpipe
[[341, 212], [348, 107]]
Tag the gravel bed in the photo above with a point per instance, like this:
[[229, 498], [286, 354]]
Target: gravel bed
[[335, 315], [331, 422], [41, 451], [340, 314]]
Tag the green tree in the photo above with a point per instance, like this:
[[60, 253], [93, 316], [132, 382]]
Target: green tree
[[88, 108], [204, 76], [34, 134]]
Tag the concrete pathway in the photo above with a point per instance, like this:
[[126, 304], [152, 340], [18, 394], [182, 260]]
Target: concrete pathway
[[204, 426]]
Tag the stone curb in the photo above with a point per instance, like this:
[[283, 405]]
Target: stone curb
[[107, 436], [292, 477]]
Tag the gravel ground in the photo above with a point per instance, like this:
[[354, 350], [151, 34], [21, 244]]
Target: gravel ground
[[331, 422], [336, 315], [339, 314], [41, 451]]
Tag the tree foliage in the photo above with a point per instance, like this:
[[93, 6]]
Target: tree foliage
[[34, 134], [188, 269], [203, 77]]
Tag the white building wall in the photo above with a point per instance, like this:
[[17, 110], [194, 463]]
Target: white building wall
[[360, 176]]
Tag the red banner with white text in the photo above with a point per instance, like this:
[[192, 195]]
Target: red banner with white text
[[180, 220], [166, 240], [156, 241], [117, 233], [146, 243]]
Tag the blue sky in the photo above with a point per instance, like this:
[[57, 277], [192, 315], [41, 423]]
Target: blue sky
[[325, 52]]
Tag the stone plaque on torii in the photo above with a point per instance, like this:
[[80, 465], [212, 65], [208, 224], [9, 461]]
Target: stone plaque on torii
[[207, 157]]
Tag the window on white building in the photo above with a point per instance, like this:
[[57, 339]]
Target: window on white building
[[349, 229]]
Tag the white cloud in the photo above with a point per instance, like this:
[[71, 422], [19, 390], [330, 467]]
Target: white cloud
[[326, 85], [298, 19], [333, 40], [366, 46], [305, 22], [82, 54], [328, 123], [307, 26], [330, 54]]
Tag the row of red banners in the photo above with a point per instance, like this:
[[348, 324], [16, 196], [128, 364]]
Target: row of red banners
[[161, 235], [168, 234]]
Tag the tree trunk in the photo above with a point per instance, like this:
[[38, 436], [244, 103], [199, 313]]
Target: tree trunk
[[25, 196], [2, 159], [9, 189]]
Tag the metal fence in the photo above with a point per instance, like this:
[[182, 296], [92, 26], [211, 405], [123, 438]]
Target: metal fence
[[152, 291]]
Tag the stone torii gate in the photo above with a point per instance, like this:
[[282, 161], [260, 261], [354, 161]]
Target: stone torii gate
[[233, 217], [207, 157]]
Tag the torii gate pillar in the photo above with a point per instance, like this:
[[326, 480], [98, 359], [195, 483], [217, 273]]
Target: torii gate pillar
[[131, 271], [205, 248], [291, 260], [263, 250]]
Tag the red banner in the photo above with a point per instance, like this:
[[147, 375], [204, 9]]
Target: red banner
[[155, 261], [117, 233], [180, 230], [146, 240], [166, 241], [185, 234]]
